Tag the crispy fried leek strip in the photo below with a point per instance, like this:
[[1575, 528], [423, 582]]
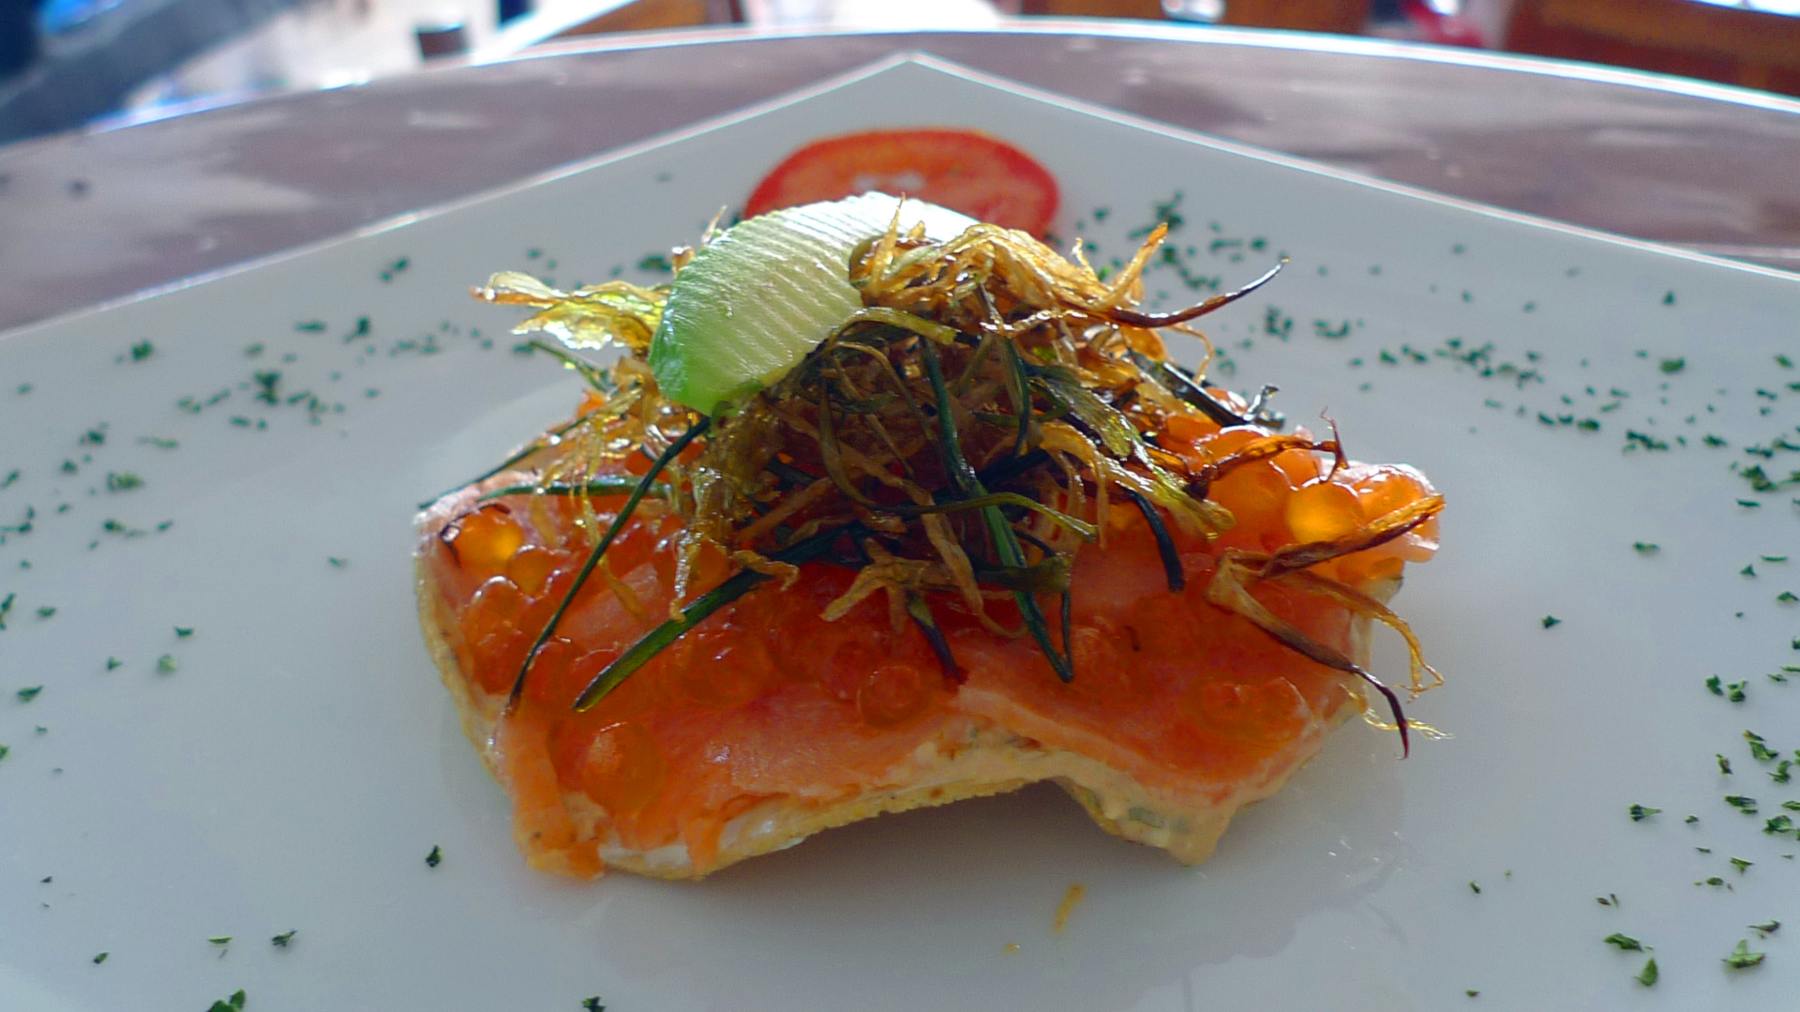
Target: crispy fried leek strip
[[597, 316], [1238, 570], [1230, 590]]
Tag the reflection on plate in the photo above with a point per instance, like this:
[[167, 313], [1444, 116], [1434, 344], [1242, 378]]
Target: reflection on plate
[[241, 458]]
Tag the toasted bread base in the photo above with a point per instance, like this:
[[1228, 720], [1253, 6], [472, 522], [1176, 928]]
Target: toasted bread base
[[970, 758]]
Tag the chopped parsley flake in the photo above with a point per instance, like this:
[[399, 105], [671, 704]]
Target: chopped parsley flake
[[281, 941], [3, 751], [336, 562], [1624, 942], [100, 957], [1646, 547], [310, 326], [1647, 976], [1741, 957], [1741, 803], [1767, 927], [220, 939], [45, 611], [1758, 749], [1740, 864], [435, 858], [122, 481], [592, 1005], [1550, 621], [1779, 824], [1724, 764], [1641, 812], [1475, 888], [235, 1003], [113, 664], [655, 262], [166, 664], [29, 693], [1736, 691], [142, 350], [1786, 597], [1672, 365], [183, 632]]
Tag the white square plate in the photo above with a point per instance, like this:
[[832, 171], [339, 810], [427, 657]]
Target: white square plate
[[296, 766]]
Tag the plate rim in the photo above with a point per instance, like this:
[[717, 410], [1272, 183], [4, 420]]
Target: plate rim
[[888, 64], [1133, 30]]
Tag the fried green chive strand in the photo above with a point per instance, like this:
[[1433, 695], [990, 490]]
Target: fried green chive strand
[[674, 449]]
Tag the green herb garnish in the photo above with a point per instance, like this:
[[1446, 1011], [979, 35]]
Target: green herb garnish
[[166, 664], [435, 857], [1648, 975], [1741, 957], [281, 941], [1624, 942], [1758, 748], [1639, 813], [1550, 621]]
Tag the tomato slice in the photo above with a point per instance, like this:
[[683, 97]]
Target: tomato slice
[[981, 176]]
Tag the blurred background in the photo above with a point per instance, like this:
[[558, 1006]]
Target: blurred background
[[65, 64]]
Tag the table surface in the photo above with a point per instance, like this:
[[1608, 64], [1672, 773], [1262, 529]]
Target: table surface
[[90, 218]]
